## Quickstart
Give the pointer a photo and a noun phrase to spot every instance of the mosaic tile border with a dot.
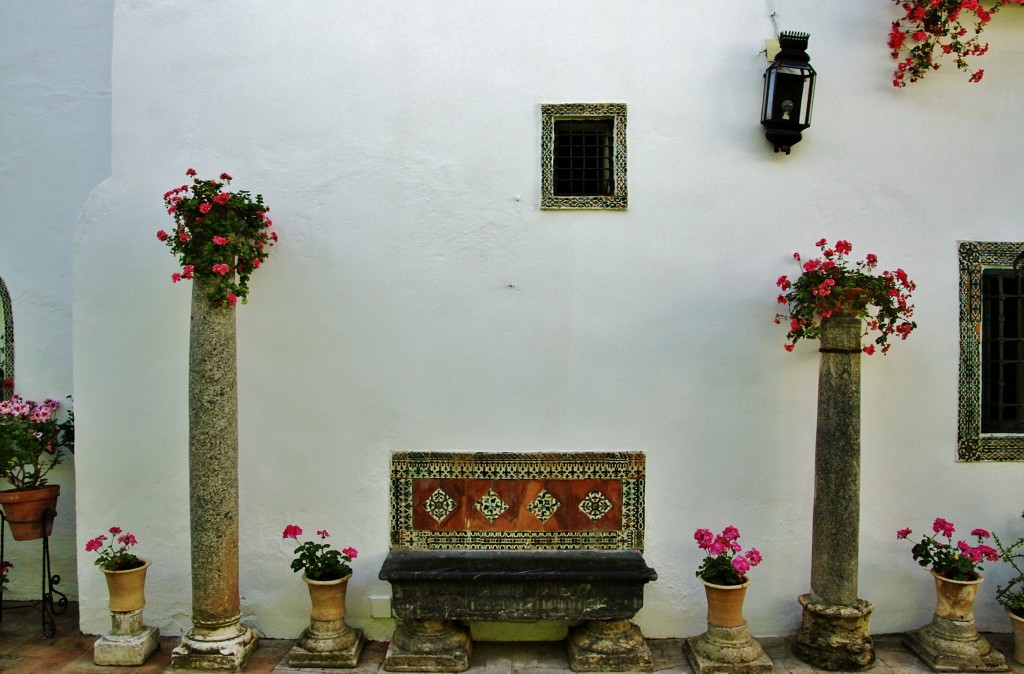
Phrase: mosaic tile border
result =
(629, 467)
(8, 341)
(972, 445)
(549, 112)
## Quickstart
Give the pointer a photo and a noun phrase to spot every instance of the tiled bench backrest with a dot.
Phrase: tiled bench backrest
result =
(517, 501)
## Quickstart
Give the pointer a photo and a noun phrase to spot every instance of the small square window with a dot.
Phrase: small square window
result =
(583, 148)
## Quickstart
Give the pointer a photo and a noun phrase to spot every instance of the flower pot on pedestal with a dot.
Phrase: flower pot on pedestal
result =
(328, 641)
(727, 646)
(1017, 622)
(130, 642)
(950, 642)
(30, 512)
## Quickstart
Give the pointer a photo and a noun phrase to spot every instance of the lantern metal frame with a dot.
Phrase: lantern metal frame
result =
(788, 92)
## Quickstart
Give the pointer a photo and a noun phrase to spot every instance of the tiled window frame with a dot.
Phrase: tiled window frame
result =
(549, 113)
(973, 445)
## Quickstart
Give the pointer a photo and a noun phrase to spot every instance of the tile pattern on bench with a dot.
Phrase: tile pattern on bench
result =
(506, 500)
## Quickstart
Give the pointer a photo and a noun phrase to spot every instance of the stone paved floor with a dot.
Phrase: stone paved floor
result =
(24, 651)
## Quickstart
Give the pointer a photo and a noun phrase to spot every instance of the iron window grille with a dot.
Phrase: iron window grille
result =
(1002, 376)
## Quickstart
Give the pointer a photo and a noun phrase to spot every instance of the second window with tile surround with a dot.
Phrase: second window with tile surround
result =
(991, 414)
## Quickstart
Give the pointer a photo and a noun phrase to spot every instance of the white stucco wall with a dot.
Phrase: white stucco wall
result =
(419, 299)
(55, 135)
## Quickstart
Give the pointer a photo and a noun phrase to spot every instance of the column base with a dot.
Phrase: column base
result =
(835, 637)
(129, 650)
(221, 650)
(727, 649)
(609, 646)
(429, 646)
(338, 647)
(954, 646)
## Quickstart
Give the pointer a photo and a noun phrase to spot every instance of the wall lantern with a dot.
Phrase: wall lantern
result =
(788, 92)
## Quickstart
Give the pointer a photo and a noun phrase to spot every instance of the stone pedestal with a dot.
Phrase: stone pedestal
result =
(727, 649)
(217, 640)
(835, 631)
(954, 646)
(130, 643)
(327, 643)
(609, 646)
(429, 646)
(836, 638)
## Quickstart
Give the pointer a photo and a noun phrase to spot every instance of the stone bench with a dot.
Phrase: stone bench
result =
(516, 537)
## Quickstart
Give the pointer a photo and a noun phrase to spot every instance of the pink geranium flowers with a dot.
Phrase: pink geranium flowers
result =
(833, 285)
(111, 558)
(955, 562)
(319, 560)
(219, 236)
(723, 564)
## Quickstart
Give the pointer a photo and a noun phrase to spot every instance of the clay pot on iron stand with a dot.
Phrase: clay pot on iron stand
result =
(727, 645)
(30, 512)
(328, 641)
(951, 641)
(130, 642)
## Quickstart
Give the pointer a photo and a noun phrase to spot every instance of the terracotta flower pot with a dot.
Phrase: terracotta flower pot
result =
(725, 604)
(1018, 636)
(24, 510)
(955, 598)
(327, 597)
(127, 589)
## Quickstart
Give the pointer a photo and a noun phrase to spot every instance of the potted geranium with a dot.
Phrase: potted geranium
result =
(125, 572)
(130, 641)
(830, 285)
(956, 567)
(727, 645)
(723, 571)
(328, 642)
(32, 437)
(1011, 594)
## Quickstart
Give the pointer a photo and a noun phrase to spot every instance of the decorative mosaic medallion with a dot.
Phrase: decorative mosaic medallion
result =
(544, 506)
(595, 505)
(491, 506)
(440, 505)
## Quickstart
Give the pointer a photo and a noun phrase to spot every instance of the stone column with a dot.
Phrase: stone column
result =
(835, 632)
(217, 640)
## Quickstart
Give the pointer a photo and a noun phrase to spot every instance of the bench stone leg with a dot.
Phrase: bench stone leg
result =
(429, 646)
(609, 646)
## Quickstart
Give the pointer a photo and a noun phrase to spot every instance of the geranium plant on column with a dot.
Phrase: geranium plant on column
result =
(220, 238)
(839, 302)
(328, 641)
(831, 285)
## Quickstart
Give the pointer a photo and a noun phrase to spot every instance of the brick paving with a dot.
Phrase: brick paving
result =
(24, 651)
